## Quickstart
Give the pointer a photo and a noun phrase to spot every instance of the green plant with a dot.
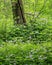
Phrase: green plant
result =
(22, 54)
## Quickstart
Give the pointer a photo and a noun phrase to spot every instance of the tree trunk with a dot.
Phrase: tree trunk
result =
(18, 12)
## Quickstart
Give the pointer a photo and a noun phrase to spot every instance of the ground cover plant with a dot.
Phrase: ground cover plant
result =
(26, 54)
(28, 43)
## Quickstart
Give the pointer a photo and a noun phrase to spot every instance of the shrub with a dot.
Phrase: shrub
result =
(36, 31)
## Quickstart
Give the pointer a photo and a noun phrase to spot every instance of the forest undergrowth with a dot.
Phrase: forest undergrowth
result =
(29, 44)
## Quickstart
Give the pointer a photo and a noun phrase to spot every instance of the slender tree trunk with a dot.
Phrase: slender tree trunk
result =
(18, 12)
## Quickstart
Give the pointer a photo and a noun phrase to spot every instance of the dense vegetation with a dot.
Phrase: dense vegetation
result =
(29, 44)
(26, 54)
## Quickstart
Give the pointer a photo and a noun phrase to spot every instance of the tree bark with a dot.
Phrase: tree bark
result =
(18, 12)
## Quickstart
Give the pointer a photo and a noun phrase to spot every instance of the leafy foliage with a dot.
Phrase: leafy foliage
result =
(35, 30)
(19, 44)
(26, 54)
